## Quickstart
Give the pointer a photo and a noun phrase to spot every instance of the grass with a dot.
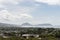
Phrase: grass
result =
(20, 38)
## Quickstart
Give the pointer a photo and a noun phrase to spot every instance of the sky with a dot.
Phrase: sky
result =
(32, 11)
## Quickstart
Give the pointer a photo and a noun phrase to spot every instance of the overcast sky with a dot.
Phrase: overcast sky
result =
(32, 11)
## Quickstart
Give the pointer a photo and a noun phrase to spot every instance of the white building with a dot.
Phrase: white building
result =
(30, 35)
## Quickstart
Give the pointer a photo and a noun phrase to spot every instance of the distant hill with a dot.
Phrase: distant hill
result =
(26, 24)
(44, 25)
(7, 25)
(36, 25)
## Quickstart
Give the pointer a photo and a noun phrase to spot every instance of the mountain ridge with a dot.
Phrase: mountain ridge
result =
(26, 25)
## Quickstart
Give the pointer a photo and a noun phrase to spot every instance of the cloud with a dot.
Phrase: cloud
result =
(12, 12)
(4, 3)
(49, 2)
(7, 16)
(19, 11)
(10, 1)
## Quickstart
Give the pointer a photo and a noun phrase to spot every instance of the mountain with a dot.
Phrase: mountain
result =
(36, 26)
(44, 25)
(26, 24)
(7, 25)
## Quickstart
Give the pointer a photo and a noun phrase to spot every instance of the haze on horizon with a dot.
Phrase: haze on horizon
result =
(32, 11)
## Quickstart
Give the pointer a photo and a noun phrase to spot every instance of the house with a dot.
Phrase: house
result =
(30, 35)
(17, 35)
(8, 34)
(4, 35)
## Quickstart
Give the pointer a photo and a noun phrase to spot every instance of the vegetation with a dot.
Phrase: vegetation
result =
(44, 33)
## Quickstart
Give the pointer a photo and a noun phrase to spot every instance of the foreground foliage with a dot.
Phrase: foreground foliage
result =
(19, 38)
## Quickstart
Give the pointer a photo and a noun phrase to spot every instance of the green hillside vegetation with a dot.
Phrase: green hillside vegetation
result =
(44, 33)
